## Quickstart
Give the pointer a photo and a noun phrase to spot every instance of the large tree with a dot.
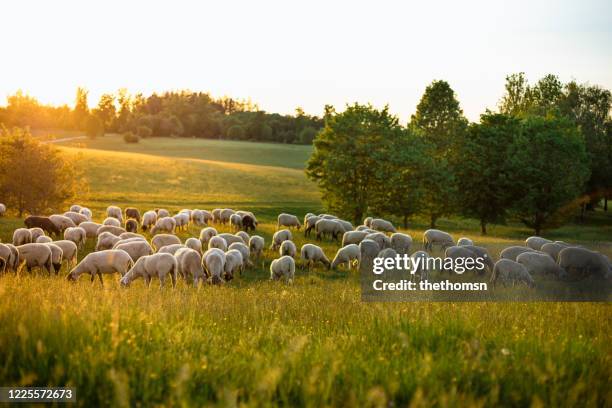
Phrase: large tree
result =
(80, 113)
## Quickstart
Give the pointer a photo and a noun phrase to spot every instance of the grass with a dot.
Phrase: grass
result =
(260, 343)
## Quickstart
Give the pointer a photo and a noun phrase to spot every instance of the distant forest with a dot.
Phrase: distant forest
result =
(177, 114)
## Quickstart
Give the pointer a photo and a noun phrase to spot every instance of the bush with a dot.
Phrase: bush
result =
(94, 127)
(129, 137)
(144, 132)
(236, 132)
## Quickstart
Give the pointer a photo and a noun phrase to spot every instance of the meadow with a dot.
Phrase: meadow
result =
(258, 343)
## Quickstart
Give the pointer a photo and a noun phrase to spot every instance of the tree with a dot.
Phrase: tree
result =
(94, 127)
(307, 135)
(349, 158)
(80, 113)
(236, 132)
(106, 111)
(517, 98)
(35, 177)
(548, 161)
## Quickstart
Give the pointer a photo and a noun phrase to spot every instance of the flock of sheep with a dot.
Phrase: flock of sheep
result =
(217, 257)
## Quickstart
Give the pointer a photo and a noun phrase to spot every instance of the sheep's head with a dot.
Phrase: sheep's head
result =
(71, 276)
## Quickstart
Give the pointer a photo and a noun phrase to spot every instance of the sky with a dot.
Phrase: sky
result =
(285, 54)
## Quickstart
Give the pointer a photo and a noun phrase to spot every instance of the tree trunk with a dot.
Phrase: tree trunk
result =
(606, 204)
(538, 228)
(432, 224)
(405, 221)
(483, 227)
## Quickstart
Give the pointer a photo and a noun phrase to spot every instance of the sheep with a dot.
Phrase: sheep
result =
(256, 246)
(106, 240)
(353, 237)
(463, 241)
(22, 236)
(433, 237)
(347, 226)
(36, 232)
(553, 249)
(513, 251)
(181, 221)
(235, 221)
(381, 225)
(507, 270)
(165, 224)
(279, 237)
(5, 254)
(217, 242)
(368, 249)
(348, 254)
(536, 242)
(114, 212)
(307, 216)
(288, 220)
(98, 263)
(57, 255)
(77, 235)
(538, 263)
(2, 209)
(368, 222)
(35, 255)
(214, 265)
(207, 216)
(162, 212)
(456, 252)
(189, 263)
(244, 251)
(194, 244)
(43, 223)
(231, 238)
(126, 240)
(86, 212)
(401, 243)
(91, 228)
(381, 239)
(112, 229)
(329, 227)
(244, 236)
(483, 253)
(283, 266)
(69, 251)
(206, 234)
(288, 248)
(233, 264)
(328, 217)
(419, 265)
(581, 262)
(10, 254)
(250, 215)
(310, 254)
(127, 235)
(136, 249)
(310, 223)
(76, 217)
(161, 240)
(75, 208)
(43, 239)
(156, 265)
(170, 249)
(111, 221)
(199, 217)
(364, 228)
(186, 211)
(216, 213)
(149, 219)
(225, 215)
(248, 223)
(61, 222)
(131, 212)
(131, 225)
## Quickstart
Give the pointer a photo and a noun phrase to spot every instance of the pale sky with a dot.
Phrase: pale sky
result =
(284, 54)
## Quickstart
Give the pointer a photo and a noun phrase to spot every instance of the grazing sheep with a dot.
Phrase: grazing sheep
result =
(288, 248)
(56, 256)
(553, 249)
(43, 239)
(22, 236)
(244, 251)
(35, 255)
(368, 222)
(76, 217)
(148, 267)
(513, 251)
(307, 216)
(233, 264)
(131, 212)
(61, 222)
(381, 239)
(401, 243)
(200, 217)
(111, 221)
(112, 229)
(279, 237)
(189, 263)
(214, 265)
(456, 252)
(244, 236)
(181, 221)
(69, 251)
(248, 223)
(433, 237)
(364, 228)
(165, 224)
(91, 228)
(136, 249)
(162, 212)
(310, 223)
(206, 234)
(256, 246)
(329, 227)
(288, 220)
(161, 240)
(149, 219)
(2, 209)
(328, 216)
(114, 212)
(235, 221)
(106, 240)
(217, 242)
(538, 263)
(349, 255)
(131, 225)
(10, 254)
(283, 266)
(77, 235)
(536, 242)
(250, 214)
(170, 249)
(126, 240)
(347, 226)
(310, 254)
(43, 223)
(580, 263)
(420, 268)
(36, 232)
(216, 213)
(225, 215)
(353, 237)
(86, 212)
(98, 263)
(128, 234)
(194, 244)
(381, 225)
(463, 241)
(506, 270)
(368, 249)
(231, 238)
(483, 253)
(75, 208)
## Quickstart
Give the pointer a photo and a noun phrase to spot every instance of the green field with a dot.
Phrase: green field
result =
(262, 343)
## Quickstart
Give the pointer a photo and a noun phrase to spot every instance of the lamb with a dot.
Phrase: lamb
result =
(181, 221)
(288, 220)
(165, 224)
(329, 227)
(381, 239)
(513, 251)
(43, 223)
(91, 228)
(171, 249)
(244, 251)
(194, 244)
(43, 239)
(244, 236)
(35, 255)
(433, 237)
(61, 222)
(217, 242)
(136, 249)
(189, 263)
(114, 212)
(231, 238)
(553, 249)
(148, 267)
(162, 212)
(69, 251)
(214, 264)
(106, 240)
(149, 219)
(111, 221)
(368, 249)
(161, 240)
(22, 236)
(77, 235)
(379, 224)
(353, 237)
(463, 241)
(310, 254)
(131, 225)
(581, 262)
(112, 229)
(420, 267)
(233, 264)
(310, 223)
(401, 243)
(235, 221)
(279, 237)
(349, 255)
(56, 256)
(288, 248)
(538, 263)
(98, 263)
(86, 212)
(216, 213)
(225, 215)
(507, 270)
(283, 266)
(536, 242)
(256, 245)
(36, 232)
(76, 217)
(368, 222)
(206, 234)
(131, 212)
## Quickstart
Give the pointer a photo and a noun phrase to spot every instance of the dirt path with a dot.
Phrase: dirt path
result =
(64, 139)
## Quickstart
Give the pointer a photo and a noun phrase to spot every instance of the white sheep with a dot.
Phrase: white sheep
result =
(148, 267)
(483, 253)
(77, 235)
(536, 242)
(106, 240)
(86, 212)
(288, 248)
(43, 239)
(165, 224)
(538, 263)
(36, 232)
(206, 234)
(214, 264)
(288, 220)
(309, 224)
(91, 228)
(225, 215)
(245, 251)
(368, 249)
(217, 242)
(381, 225)
(128, 234)
(231, 238)
(111, 221)
(216, 213)
(329, 227)
(189, 264)
(347, 226)
(115, 212)
(199, 217)
(181, 221)
(328, 216)
(10, 254)
(76, 217)
(75, 208)
(279, 237)
(136, 249)
(2, 209)
(22, 236)
(433, 237)
(149, 219)
(171, 249)
(310, 254)
(580, 263)
(283, 266)
(235, 221)
(194, 244)
(35, 255)
(401, 243)
(126, 240)
(57, 255)
(110, 228)
(513, 251)
(463, 241)
(233, 263)
(554, 248)
(69, 251)
(244, 236)
(256, 246)
(368, 222)
(419, 265)
(381, 239)
(162, 212)
(506, 270)
(353, 237)
(161, 240)
(349, 255)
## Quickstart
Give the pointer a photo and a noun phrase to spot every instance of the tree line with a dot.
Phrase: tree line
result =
(545, 152)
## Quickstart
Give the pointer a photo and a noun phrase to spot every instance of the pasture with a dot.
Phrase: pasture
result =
(262, 343)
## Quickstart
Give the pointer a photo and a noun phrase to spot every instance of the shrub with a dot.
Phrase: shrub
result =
(129, 137)
(144, 131)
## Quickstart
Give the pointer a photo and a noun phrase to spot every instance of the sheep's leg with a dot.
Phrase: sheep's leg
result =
(173, 279)
(162, 281)
(101, 280)
(147, 280)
